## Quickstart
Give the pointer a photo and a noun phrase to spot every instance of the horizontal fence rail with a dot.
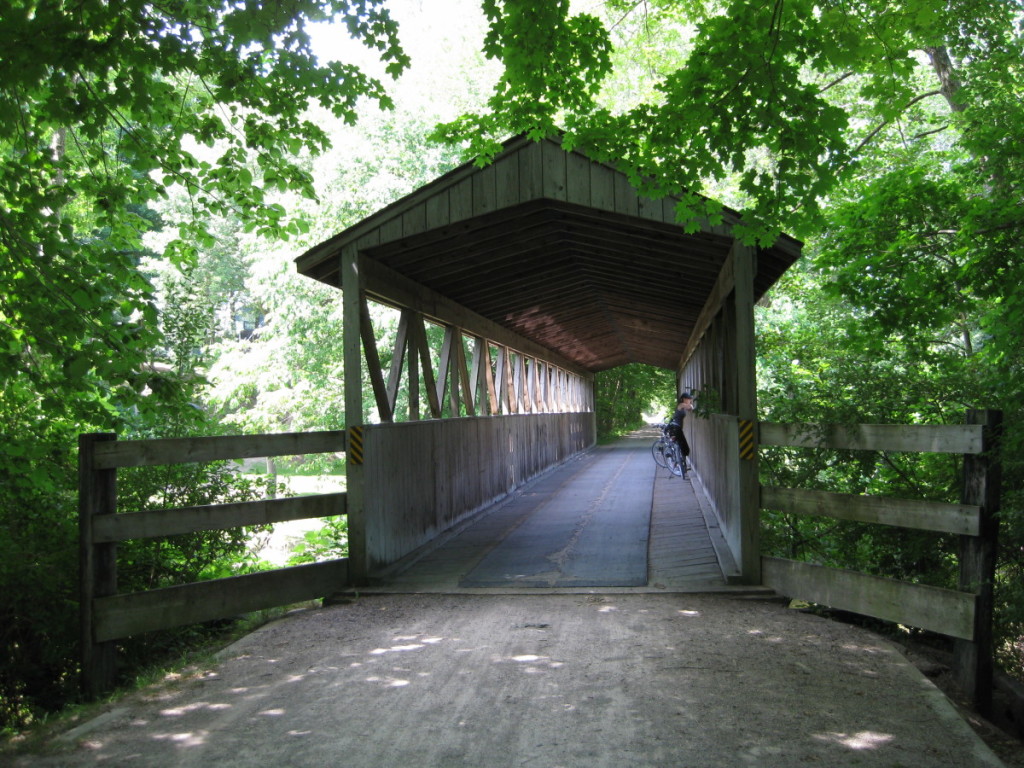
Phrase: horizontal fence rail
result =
(945, 611)
(964, 614)
(905, 513)
(123, 615)
(922, 438)
(181, 450)
(107, 616)
(172, 522)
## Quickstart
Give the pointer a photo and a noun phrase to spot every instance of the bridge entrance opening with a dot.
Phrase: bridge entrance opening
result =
(542, 268)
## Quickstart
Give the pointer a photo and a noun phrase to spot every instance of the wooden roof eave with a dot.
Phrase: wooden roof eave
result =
(465, 245)
(308, 262)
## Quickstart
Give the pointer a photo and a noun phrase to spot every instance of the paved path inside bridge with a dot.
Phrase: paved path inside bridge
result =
(592, 531)
(431, 674)
(609, 518)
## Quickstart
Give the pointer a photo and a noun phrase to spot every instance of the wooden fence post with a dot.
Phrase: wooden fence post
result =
(352, 303)
(97, 495)
(972, 661)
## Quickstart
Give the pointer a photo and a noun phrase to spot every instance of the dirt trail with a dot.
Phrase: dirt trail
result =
(601, 681)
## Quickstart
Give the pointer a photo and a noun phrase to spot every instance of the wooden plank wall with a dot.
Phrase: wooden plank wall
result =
(424, 477)
(711, 441)
(706, 373)
(714, 441)
(530, 171)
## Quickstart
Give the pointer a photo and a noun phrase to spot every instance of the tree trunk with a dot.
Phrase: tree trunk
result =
(946, 72)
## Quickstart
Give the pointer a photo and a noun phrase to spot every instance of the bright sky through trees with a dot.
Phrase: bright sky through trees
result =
(443, 39)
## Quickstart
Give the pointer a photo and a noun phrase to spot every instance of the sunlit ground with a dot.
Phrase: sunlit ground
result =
(601, 680)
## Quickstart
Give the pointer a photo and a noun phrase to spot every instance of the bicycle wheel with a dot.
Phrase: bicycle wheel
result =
(674, 460)
(658, 451)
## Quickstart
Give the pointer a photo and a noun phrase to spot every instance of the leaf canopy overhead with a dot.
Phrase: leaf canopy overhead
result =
(104, 106)
(757, 96)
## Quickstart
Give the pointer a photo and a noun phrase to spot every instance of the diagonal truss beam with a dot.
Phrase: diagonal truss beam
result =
(519, 377)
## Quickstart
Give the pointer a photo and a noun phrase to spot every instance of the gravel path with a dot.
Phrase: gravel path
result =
(588, 680)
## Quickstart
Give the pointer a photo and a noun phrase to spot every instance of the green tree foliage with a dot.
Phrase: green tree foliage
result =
(875, 380)
(326, 543)
(624, 395)
(106, 108)
(289, 374)
(756, 97)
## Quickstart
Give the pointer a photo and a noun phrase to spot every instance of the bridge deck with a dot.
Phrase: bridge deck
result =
(608, 519)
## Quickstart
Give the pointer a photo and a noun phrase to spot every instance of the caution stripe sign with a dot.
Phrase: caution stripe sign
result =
(747, 447)
(355, 444)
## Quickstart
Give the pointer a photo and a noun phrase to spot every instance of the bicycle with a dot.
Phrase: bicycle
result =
(667, 454)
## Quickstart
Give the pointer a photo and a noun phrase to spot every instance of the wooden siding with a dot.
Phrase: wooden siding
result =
(424, 477)
(713, 441)
(534, 171)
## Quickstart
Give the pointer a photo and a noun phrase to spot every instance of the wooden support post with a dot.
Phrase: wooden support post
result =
(418, 339)
(972, 660)
(526, 391)
(516, 393)
(413, 367)
(352, 289)
(744, 260)
(489, 390)
(97, 495)
(461, 373)
(503, 381)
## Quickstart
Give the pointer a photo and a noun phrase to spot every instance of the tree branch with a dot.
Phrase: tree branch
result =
(837, 81)
(923, 134)
(920, 97)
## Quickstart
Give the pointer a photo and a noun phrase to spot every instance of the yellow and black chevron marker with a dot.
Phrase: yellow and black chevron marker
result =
(355, 444)
(747, 447)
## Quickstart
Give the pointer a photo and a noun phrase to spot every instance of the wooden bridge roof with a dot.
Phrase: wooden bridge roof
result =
(559, 250)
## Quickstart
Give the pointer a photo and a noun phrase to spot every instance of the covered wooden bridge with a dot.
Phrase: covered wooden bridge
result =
(542, 268)
(514, 284)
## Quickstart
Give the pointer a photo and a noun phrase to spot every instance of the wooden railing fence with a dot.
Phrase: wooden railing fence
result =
(964, 614)
(107, 616)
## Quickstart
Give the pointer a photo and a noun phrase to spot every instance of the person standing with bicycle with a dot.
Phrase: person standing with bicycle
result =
(684, 405)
